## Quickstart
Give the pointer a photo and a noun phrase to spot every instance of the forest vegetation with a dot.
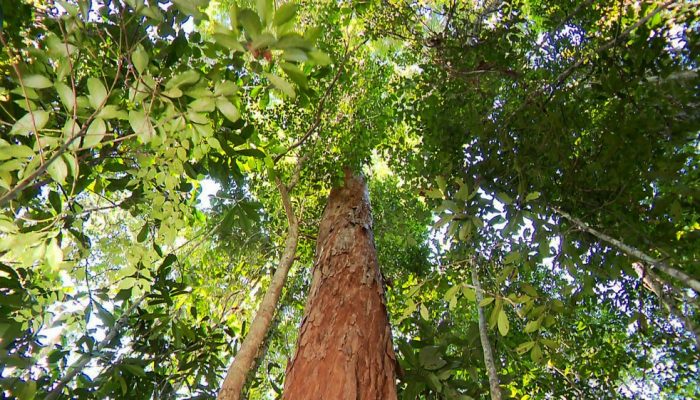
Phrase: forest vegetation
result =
(192, 193)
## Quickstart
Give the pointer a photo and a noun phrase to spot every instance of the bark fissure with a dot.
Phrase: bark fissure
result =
(344, 350)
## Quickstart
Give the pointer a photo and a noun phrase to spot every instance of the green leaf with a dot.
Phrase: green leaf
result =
(512, 257)
(134, 369)
(97, 92)
(532, 196)
(58, 170)
(469, 293)
(37, 82)
(284, 13)
(531, 326)
(430, 358)
(24, 125)
(281, 84)
(319, 57)
(143, 233)
(295, 74)
(228, 109)
(503, 324)
(504, 198)
(95, 133)
(451, 292)
(54, 254)
(524, 347)
(15, 151)
(66, 95)
(424, 313)
(263, 40)
(228, 41)
(139, 58)
(265, 10)
(141, 125)
(250, 22)
(485, 302)
(536, 353)
(203, 104)
(225, 88)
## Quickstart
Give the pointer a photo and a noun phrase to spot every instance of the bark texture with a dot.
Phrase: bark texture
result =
(344, 350)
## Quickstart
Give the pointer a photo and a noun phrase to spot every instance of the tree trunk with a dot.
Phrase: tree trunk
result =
(344, 350)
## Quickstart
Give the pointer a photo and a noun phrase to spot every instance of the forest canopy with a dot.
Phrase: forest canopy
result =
(164, 166)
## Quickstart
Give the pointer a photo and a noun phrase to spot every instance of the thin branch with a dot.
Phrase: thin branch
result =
(83, 361)
(243, 362)
(483, 334)
(631, 251)
(321, 105)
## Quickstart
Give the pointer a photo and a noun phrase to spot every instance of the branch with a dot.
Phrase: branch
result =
(483, 334)
(633, 252)
(321, 105)
(244, 359)
(79, 365)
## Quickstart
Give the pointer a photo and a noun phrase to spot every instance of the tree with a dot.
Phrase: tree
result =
(553, 144)
(344, 350)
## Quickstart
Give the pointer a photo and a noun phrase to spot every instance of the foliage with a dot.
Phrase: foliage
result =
(478, 124)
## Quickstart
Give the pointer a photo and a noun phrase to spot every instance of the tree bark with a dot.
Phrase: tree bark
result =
(242, 363)
(484, 336)
(344, 350)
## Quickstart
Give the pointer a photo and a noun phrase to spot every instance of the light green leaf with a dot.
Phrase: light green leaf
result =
(228, 41)
(451, 292)
(532, 196)
(319, 57)
(95, 133)
(469, 293)
(263, 40)
(503, 324)
(111, 111)
(24, 126)
(37, 81)
(66, 95)
(16, 151)
(141, 124)
(536, 353)
(512, 257)
(284, 13)
(139, 58)
(203, 104)
(58, 170)
(228, 109)
(281, 84)
(250, 22)
(424, 313)
(225, 88)
(531, 326)
(97, 92)
(294, 54)
(265, 10)
(186, 78)
(485, 302)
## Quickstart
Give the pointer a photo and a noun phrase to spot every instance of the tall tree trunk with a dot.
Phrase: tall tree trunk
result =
(344, 350)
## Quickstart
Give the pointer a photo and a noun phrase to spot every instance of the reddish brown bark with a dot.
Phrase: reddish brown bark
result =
(344, 350)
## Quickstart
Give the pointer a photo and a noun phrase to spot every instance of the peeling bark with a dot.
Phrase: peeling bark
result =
(344, 350)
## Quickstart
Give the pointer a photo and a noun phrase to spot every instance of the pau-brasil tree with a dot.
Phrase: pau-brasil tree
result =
(185, 192)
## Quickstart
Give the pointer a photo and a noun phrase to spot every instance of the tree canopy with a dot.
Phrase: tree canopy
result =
(151, 153)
